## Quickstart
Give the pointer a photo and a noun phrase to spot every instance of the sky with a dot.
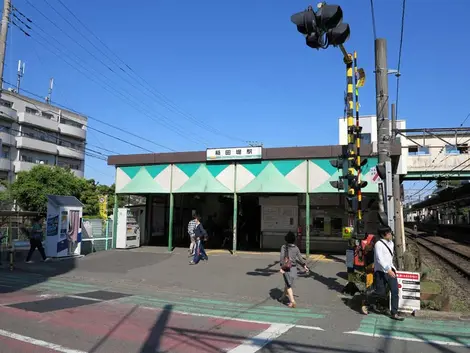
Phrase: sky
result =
(218, 73)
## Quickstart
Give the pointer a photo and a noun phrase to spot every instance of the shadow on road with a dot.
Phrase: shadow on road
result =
(153, 342)
(23, 275)
(265, 272)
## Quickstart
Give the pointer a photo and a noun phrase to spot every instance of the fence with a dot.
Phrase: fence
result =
(97, 235)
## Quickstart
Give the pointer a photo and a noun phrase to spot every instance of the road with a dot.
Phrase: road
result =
(73, 313)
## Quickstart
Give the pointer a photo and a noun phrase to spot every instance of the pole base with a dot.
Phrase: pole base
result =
(350, 288)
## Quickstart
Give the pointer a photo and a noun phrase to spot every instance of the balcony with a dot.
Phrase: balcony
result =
(8, 113)
(36, 145)
(72, 131)
(5, 164)
(23, 166)
(70, 152)
(78, 173)
(7, 138)
(38, 121)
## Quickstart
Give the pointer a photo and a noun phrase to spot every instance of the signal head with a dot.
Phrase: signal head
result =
(305, 21)
(338, 35)
(329, 16)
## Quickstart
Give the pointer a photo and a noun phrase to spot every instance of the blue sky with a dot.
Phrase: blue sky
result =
(239, 67)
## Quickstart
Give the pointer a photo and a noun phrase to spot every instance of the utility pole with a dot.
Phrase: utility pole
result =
(3, 36)
(399, 236)
(383, 124)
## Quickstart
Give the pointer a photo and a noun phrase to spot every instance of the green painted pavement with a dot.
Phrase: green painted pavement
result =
(427, 330)
(227, 309)
(38, 283)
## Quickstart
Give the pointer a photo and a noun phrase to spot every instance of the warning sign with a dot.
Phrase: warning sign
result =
(409, 291)
(374, 176)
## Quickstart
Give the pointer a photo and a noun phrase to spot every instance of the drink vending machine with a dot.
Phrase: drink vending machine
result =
(128, 230)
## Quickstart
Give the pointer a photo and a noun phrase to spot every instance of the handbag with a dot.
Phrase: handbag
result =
(286, 263)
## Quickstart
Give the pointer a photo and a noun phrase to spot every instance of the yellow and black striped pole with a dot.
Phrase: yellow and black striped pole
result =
(350, 123)
(358, 141)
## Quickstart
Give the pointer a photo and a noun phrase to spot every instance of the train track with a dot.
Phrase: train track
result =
(456, 259)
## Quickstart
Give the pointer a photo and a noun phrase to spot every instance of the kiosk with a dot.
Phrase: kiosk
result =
(64, 226)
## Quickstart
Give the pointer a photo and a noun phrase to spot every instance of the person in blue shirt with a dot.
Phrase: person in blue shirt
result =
(35, 240)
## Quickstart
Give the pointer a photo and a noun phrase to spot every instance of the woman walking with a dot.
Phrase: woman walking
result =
(290, 257)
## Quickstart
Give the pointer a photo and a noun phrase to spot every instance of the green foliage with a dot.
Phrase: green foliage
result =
(31, 188)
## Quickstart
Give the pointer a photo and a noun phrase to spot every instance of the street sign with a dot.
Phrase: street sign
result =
(409, 291)
(221, 154)
(374, 176)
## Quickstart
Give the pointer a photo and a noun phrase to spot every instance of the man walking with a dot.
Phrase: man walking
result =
(35, 240)
(192, 237)
(385, 271)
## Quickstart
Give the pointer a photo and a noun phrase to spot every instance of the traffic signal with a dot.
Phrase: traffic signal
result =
(366, 203)
(323, 28)
(338, 164)
(383, 219)
(381, 170)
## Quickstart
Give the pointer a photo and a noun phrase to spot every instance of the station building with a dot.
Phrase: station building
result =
(248, 197)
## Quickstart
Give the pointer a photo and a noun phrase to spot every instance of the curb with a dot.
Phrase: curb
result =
(446, 315)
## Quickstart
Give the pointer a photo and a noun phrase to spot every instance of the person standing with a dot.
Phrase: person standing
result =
(201, 236)
(192, 237)
(290, 257)
(35, 240)
(384, 270)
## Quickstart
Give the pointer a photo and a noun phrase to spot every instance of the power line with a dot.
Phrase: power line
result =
(89, 127)
(402, 30)
(374, 29)
(111, 88)
(159, 95)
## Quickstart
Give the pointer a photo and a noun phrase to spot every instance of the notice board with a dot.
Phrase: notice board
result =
(409, 291)
(279, 218)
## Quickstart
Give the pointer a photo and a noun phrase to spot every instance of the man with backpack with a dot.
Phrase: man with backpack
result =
(384, 271)
(201, 236)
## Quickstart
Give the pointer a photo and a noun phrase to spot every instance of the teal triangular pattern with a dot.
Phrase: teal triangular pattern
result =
(326, 186)
(131, 171)
(286, 166)
(270, 180)
(371, 162)
(154, 170)
(142, 183)
(216, 169)
(325, 165)
(203, 181)
(255, 168)
(189, 168)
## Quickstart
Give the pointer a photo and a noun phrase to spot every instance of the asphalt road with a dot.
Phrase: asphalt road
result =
(93, 309)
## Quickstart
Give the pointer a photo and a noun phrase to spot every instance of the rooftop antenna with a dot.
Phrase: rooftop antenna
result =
(20, 75)
(49, 94)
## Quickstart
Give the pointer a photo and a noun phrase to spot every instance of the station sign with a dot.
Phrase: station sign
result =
(236, 153)
(409, 291)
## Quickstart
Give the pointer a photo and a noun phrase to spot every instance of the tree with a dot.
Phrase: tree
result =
(31, 188)
(89, 198)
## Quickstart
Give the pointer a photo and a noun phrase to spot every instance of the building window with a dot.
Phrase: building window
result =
(71, 123)
(452, 149)
(7, 104)
(366, 138)
(32, 111)
(418, 150)
(48, 116)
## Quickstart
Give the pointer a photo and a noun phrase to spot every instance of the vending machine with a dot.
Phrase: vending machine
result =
(128, 230)
(64, 226)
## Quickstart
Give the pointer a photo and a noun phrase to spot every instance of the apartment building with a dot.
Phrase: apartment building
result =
(34, 132)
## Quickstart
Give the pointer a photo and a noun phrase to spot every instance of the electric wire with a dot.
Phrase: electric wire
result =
(162, 99)
(91, 118)
(126, 97)
(374, 28)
